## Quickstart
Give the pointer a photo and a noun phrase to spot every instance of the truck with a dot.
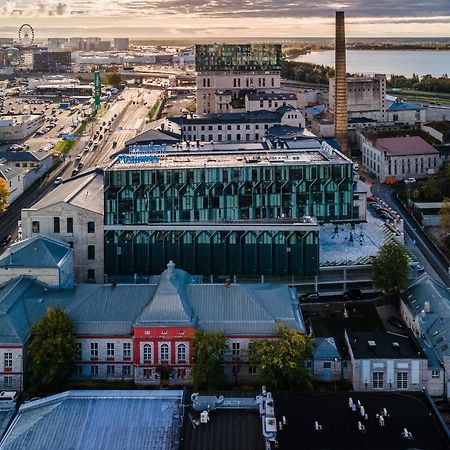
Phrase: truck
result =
(64, 105)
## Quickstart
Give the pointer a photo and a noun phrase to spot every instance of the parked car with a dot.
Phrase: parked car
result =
(80, 165)
(6, 240)
(310, 297)
(58, 180)
(353, 294)
(74, 172)
(79, 156)
(397, 323)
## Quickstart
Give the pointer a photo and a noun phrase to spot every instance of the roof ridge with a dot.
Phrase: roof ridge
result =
(82, 186)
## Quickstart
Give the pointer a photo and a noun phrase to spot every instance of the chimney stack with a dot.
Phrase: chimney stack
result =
(340, 103)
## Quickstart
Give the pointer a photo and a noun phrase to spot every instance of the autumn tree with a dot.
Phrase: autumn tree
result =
(52, 350)
(4, 193)
(390, 269)
(208, 353)
(444, 215)
(282, 360)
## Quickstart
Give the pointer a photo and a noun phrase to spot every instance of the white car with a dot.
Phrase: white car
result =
(58, 180)
(79, 156)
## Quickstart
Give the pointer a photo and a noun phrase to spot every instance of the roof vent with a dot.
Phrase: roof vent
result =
(371, 344)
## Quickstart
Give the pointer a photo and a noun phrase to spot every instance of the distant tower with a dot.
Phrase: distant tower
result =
(340, 109)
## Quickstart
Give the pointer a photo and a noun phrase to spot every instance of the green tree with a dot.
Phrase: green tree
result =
(4, 193)
(282, 360)
(208, 353)
(52, 350)
(444, 215)
(114, 79)
(390, 269)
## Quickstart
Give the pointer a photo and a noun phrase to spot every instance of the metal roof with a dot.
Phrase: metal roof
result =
(155, 137)
(84, 191)
(96, 420)
(8, 173)
(325, 348)
(11, 155)
(6, 415)
(38, 251)
(404, 106)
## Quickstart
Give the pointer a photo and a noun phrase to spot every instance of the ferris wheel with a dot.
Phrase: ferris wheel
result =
(26, 34)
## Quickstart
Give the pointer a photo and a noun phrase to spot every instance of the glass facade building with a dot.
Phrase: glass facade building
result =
(245, 217)
(238, 58)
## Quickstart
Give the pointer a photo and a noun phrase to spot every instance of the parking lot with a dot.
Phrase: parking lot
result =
(178, 103)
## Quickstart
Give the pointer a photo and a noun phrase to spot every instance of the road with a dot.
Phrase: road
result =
(131, 113)
(422, 241)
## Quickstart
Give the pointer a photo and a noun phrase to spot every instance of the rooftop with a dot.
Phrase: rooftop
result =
(84, 191)
(382, 345)
(8, 173)
(25, 156)
(156, 137)
(38, 251)
(96, 420)
(231, 158)
(272, 96)
(339, 423)
(405, 146)
(236, 429)
(404, 106)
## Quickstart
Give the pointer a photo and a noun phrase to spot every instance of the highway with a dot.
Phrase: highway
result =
(415, 233)
(131, 114)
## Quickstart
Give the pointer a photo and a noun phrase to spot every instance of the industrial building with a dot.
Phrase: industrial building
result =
(16, 127)
(226, 72)
(224, 213)
(121, 43)
(52, 61)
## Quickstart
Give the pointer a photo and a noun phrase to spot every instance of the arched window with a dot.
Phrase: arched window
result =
(147, 352)
(164, 352)
(181, 352)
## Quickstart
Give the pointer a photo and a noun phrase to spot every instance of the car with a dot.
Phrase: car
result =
(74, 172)
(420, 268)
(58, 180)
(353, 294)
(86, 149)
(79, 156)
(95, 147)
(80, 165)
(114, 144)
(6, 240)
(16, 147)
(104, 123)
(397, 323)
(310, 296)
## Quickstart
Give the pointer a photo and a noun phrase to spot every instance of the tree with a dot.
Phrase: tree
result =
(444, 215)
(208, 352)
(4, 193)
(52, 350)
(390, 269)
(282, 360)
(114, 79)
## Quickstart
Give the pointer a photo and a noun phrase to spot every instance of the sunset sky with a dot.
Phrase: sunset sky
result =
(225, 18)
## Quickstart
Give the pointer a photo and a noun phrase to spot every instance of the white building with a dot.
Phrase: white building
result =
(366, 97)
(255, 101)
(13, 177)
(398, 158)
(73, 212)
(19, 126)
(405, 113)
(234, 127)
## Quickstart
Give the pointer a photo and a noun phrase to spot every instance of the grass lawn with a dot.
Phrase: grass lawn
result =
(154, 110)
(422, 96)
(64, 147)
(84, 125)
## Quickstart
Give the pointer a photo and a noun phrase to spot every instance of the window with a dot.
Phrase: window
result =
(8, 360)
(327, 365)
(91, 227)
(94, 350)
(435, 374)
(126, 350)
(35, 226)
(110, 349)
(79, 351)
(94, 371)
(402, 380)
(236, 348)
(126, 371)
(91, 252)
(148, 373)
(69, 225)
(181, 373)
(8, 381)
(110, 370)
(79, 370)
(181, 352)
(252, 370)
(377, 382)
(56, 225)
(147, 353)
(91, 275)
(164, 353)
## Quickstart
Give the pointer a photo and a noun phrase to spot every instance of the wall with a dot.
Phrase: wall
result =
(20, 131)
(80, 238)
(15, 373)
(47, 276)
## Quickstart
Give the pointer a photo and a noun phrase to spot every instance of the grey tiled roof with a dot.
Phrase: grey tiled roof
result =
(84, 191)
(97, 420)
(154, 136)
(9, 173)
(37, 251)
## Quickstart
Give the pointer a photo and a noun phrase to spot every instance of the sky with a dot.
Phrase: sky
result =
(225, 18)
